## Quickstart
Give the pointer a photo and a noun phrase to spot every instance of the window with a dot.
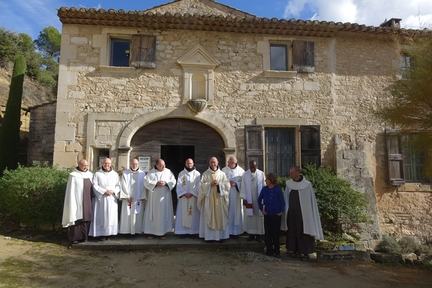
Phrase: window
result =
(414, 163)
(405, 64)
(275, 148)
(120, 51)
(284, 59)
(404, 164)
(280, 150)
(139, 51)
(278, 57)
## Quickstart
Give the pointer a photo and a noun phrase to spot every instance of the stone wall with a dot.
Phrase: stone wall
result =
(41, 135)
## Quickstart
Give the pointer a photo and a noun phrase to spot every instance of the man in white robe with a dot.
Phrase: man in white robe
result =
(159, 213)
(77, 208)
(132, 210)
(187, 213)
(301, 217)
(252, 182)
(213, 201)
(234, 174)
(106, 187)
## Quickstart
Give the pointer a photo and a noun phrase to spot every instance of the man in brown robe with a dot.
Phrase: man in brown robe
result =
(77, 208)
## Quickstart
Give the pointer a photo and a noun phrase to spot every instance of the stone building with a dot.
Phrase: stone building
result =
(41, 133)
(196, 78)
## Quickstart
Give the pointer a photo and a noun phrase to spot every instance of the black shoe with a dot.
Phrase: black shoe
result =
(268, 253)
(182, 236)
(258, 238)
(250, 238)
(277, 255)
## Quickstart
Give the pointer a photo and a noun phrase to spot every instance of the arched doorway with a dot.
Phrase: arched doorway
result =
(175, 140)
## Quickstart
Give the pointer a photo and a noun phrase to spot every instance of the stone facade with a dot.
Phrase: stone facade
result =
(100, 107)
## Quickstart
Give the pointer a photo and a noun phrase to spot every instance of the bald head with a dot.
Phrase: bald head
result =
(213, 163)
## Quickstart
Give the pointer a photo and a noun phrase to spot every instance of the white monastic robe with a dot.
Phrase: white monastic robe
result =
(159, 213)
(213, 202)
(251, 186)
(73, 202)
(187, 213)
(235, 226)
(105, 208)
(132, 214)
(309, 208)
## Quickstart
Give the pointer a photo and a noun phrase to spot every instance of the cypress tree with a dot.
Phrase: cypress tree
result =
(10, 129)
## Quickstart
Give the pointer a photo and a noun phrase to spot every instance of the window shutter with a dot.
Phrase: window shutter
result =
(303, 56)
(143, 51)
(254, 135)
(310, 145)
(395, 158)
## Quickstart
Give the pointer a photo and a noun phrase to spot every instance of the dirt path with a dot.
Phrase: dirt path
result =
(36, 263)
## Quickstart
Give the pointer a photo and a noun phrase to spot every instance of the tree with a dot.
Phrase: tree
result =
(8, 47)
(10, 129)
(48, 43)
(410, 108)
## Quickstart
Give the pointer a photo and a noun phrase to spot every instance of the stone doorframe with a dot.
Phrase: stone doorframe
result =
(207, 118)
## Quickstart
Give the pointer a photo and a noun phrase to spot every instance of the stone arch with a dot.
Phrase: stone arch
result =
(207, 118)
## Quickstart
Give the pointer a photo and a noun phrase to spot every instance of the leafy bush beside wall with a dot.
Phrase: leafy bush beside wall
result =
(33, 195)
(341, 207)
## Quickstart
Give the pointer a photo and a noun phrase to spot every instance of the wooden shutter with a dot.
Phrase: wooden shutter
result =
(143, 51)
(254, 137)
(303, 56)
(310, 145)
(395, 157)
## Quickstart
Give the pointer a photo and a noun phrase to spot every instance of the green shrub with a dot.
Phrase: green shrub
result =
(388, 244)
(33, 195)
(341, 207)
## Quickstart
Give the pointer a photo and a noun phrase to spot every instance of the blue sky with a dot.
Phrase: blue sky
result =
(31, 16)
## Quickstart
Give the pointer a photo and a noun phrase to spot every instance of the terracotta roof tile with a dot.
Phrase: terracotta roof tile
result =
(230, 23)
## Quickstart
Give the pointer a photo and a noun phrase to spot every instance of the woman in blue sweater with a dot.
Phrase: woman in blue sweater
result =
(271, 203)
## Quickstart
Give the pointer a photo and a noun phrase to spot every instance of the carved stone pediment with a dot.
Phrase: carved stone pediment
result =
(198, 58)
(198, 75)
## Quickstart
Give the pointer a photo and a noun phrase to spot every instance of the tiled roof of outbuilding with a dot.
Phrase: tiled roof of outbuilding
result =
(234, 24)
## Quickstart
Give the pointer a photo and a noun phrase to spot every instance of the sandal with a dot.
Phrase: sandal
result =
(293, 254)
(74, 242)
(305, 258)
(149, 237)
(162, 237)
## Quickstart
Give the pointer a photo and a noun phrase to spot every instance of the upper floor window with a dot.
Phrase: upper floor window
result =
(405, 64)
(139, 51)
(120, 51)
(278, 57)
(284, 59)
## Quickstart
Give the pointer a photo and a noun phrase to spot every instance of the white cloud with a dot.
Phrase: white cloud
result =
(414, 13)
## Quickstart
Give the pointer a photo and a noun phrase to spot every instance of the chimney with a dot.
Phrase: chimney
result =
(392, 23)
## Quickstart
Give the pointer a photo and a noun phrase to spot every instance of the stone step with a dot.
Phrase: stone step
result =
(140, 242)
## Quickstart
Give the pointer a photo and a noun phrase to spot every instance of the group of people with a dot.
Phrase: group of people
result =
(214, 205)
